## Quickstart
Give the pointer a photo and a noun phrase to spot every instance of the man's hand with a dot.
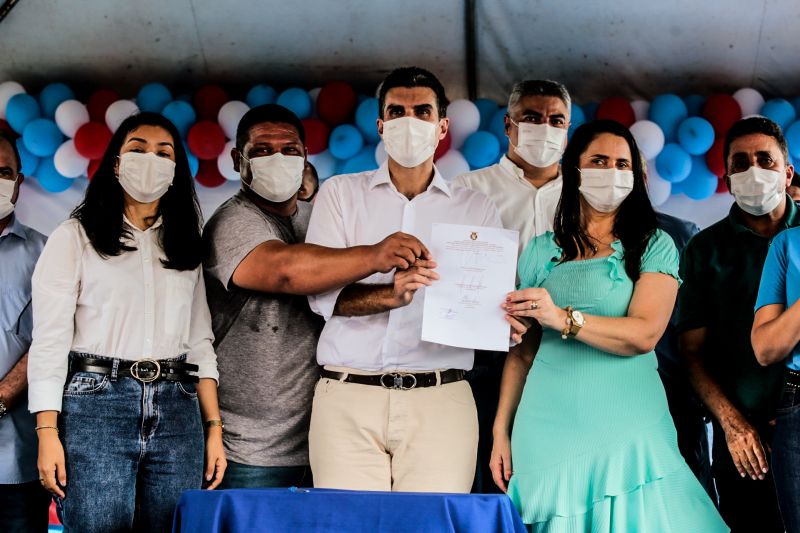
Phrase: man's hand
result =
(409, 281)
(745, 447)
(399, 251)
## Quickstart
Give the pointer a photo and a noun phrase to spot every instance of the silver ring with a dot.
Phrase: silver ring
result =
(534, 305)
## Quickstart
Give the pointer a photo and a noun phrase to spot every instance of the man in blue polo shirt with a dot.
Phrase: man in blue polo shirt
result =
(24, 501)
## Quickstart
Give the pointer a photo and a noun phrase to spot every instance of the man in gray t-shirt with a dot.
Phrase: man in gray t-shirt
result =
(257, 271)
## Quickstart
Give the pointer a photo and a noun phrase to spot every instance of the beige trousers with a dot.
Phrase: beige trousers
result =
(365, 437)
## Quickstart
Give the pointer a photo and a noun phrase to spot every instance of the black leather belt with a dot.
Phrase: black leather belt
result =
(144, 370)
(398, 380)
(793, 378)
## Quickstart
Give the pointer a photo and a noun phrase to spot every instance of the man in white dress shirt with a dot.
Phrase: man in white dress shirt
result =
(525, 186)
(392, 412)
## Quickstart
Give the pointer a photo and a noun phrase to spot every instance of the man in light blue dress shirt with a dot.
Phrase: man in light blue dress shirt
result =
(23, 502)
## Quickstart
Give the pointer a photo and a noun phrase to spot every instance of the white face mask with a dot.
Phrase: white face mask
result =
(276, 177)
(605, 188)
(540, 145)
(145, 177)
(6, 192)
(758, 190)
(409, 141)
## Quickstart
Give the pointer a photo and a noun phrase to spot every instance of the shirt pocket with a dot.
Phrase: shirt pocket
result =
(15, 316)
(178, 303)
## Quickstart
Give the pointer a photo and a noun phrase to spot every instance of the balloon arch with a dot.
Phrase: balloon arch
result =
(63, 138)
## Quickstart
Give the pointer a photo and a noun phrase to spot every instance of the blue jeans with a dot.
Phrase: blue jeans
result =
(786, 458)
(131, 448)
(241, 476)
(24, 508)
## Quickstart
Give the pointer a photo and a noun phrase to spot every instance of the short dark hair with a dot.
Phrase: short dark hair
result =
(101, 211)
(413, 77)
(7, 137)
(748, 126)
(267, 113)
(540, 88)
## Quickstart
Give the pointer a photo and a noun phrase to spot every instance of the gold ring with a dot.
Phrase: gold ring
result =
(534, 305)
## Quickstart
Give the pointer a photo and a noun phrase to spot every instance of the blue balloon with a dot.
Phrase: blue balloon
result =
(29, 161)
(153, 97)
(366, 117)
(668, 111)
(696, 135)
(194, 163)
(576, 118)
(325, 164)
(590, 110)
(779, 111)
(345, 141)
(52, 96)
(498, 127)
(297, 101)
(21, 109)
(487, 108)
(673, 163)
(792, 134)
(481, 149)
(261, 94)
(185, 97)
(796, 104)
(50, 179)
(42, 137)
(701, 182)
(694, 104)
(363, 161)
(181, 114)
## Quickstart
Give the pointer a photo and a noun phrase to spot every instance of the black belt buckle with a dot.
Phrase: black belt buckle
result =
(139, 367)
(396, 381)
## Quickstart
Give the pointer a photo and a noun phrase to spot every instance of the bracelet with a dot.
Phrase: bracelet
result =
(214, 423)
(37, 428)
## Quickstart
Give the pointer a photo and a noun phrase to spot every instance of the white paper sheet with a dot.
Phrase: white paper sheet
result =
(477, 268)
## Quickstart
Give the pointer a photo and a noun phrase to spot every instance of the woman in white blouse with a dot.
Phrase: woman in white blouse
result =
(122, 367)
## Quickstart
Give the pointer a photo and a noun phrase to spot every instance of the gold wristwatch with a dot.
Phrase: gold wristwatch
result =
(575, 321)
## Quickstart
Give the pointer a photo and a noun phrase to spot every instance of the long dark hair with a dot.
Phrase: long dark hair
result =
(635, 221)
(101, 211)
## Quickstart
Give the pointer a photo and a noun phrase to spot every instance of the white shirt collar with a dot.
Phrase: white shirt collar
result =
(382, 176)
(155, 225)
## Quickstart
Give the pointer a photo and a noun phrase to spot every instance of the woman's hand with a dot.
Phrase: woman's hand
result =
(52, 470)
(536, 303)
(215, 458)
(500, 462)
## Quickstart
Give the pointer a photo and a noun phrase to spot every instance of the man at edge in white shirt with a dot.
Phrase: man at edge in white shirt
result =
(391, 412)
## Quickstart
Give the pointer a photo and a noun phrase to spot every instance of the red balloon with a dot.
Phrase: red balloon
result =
(714, 159)
(208, 174)
(443, 146)
(722, 186)
(721, 110)
(336, 103)
(207, 101)
(99, 102)
(91, 140)
(94, 164)
(206, 140)
(617, 108)
(4, 126)
(317, 133)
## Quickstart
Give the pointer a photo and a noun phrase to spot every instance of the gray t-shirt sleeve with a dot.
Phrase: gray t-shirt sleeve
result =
(231, 234)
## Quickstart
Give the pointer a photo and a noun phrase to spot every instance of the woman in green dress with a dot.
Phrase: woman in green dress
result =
(593, 446)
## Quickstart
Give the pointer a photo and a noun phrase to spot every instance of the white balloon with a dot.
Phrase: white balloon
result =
(324, 163)
(658, 188)
(640, 109)
(119, 111)
(69, 162)
(229, 116)
(225, 163)
(380, 153)
(452, 164)
(71, 115)
(649, 137)
(749, 100)
(7, 90)
(464, 120)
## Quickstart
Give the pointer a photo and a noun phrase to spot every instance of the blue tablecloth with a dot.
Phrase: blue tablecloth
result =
(297, 510)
